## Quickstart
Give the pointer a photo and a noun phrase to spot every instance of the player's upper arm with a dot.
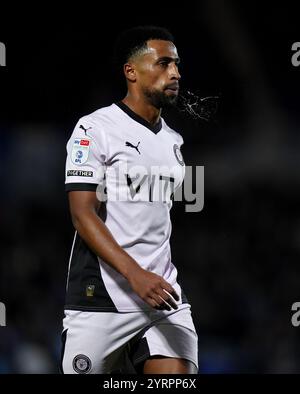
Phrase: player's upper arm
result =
(81, 203)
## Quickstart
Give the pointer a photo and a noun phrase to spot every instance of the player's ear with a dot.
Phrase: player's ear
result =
(129, 71)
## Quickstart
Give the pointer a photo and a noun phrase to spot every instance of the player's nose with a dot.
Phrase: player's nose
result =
(174, 73)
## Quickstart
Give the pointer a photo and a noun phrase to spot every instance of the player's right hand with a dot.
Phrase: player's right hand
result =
(153, 289)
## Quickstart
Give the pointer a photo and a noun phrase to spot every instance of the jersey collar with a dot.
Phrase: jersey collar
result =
(155, 129)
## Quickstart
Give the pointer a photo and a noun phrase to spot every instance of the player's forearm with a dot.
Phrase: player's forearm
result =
(98, 237)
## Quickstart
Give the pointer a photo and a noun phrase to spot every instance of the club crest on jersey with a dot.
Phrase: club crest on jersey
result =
(82, 364)
(80, 151)
(178, 154)
(90, 290)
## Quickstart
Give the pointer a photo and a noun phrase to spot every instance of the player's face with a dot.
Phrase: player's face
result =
(157, 73)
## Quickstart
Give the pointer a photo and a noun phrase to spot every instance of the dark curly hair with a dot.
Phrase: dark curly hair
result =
(133, 40)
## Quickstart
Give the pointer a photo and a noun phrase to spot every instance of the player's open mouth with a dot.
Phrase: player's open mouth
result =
(173, 90)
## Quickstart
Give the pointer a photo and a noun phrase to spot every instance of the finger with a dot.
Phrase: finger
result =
(161, 307)
(169, 299)
(166, 297)
(158, 304)
(163, 298)
(168, 303)
(171, 291)
(161, 302)
(152, 303)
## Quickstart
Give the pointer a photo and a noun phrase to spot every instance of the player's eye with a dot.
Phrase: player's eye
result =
(164, 63)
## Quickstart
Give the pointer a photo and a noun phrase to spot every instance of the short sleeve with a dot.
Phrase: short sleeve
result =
(180, 140)
(86, 156)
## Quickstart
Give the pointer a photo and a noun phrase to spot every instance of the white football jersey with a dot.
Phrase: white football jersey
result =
(135, 168)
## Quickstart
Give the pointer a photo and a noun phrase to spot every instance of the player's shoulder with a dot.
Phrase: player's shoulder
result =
(97, 124)
(175, 134)
(99, 116)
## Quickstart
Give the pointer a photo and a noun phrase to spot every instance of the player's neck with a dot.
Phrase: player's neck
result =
(143, 109)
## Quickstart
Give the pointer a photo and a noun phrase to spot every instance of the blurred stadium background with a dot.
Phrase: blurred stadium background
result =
(239, 257)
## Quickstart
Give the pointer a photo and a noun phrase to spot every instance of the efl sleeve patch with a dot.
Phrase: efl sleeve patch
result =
(80, 151)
